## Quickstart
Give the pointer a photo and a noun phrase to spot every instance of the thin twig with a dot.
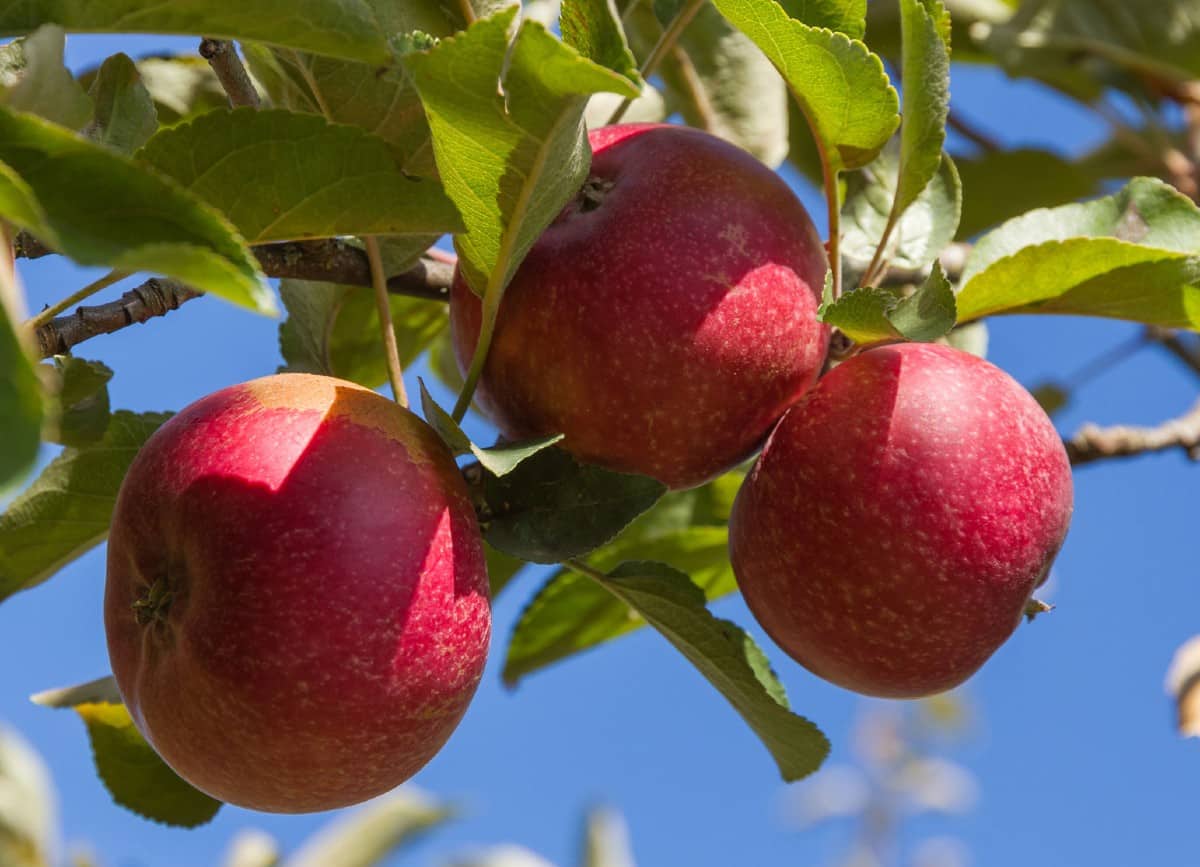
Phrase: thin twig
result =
(391, 351)
(75, 297)
(1106, 361)
(1186, 352)
(223, 58)
(1094, 443)
(660, 50)
(1189, 97)
(1176, 166)
(970, 132)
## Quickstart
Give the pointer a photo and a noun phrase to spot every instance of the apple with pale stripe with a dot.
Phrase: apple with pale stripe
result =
(297, 601)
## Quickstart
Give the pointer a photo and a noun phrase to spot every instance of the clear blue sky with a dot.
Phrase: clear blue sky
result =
(1074, 749)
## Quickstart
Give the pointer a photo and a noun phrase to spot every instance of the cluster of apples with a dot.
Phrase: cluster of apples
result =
(297, 601)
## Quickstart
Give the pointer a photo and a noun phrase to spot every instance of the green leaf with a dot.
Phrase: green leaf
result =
(382, 102)
(1004, 184)
(720, 82)
(840, 85)
(1051, 396)
(871, 314)
(339, 28)
(862, 314)
(508, 135)
(125, 115)
(369, 834)
(927, 225)
(334, 330)
(102, 690)
(726, 656)
(443, 423)
(925, 30)
(21, 409)
(135, 776)
(551, 507)
(33, 78)
(847, 16)
(503, 458)
(593, 28)
(884, 27)
(499, 460)
(929, 313)
(80, 412)
(99, 208)
(180, 87)
(1159, 40)
(569, 614)
(281, 176)
(67, 509)
(501, 568)
(1133, 255)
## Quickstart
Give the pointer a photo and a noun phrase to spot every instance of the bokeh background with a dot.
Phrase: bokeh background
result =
(1061, 751)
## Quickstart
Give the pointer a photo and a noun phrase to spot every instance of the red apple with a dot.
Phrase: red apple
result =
(297, 602)
(899, 518)
(667, 317)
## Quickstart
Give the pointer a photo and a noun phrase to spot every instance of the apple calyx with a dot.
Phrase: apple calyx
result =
(1036, 607)
(152, 606)
(593, 193)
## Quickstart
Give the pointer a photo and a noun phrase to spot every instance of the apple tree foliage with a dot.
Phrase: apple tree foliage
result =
(409, 121)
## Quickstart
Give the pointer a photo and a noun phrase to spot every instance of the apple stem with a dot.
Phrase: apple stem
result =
(833, 205)
(74, 298)
(487, 327)
(1035, 607)
(387, 330)
(660, 50)
(877, 265)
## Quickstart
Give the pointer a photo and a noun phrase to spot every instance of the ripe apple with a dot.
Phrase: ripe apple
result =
(297, 601)
(899, 518)
(666, 319)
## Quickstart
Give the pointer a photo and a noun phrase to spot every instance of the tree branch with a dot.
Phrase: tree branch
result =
(325, 261)
(224, 60)
(1094, 443)
(334, 261)
(153, 298)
